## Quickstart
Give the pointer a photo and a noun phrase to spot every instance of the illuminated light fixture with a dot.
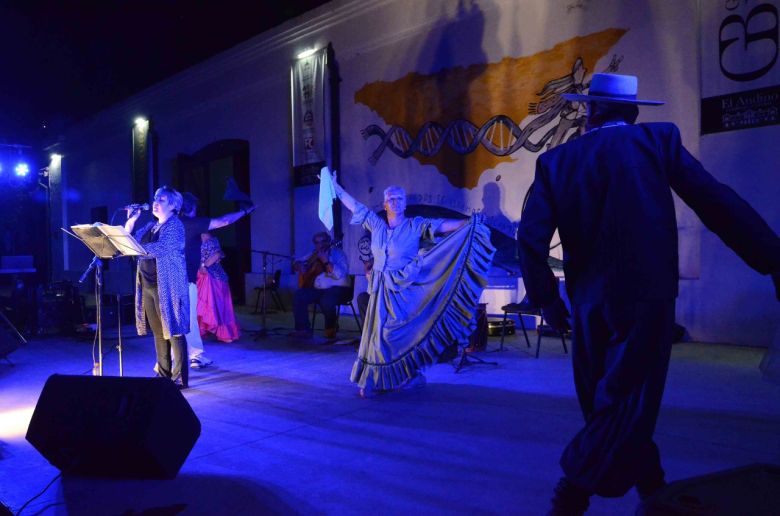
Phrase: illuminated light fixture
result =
(307, 53)
(141, 121)
(55, 157)
(22, 169)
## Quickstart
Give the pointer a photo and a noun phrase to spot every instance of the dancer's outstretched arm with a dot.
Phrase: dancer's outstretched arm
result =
(346, 199)
(450, 225)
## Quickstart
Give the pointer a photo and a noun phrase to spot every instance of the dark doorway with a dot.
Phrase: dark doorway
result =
(205, 174)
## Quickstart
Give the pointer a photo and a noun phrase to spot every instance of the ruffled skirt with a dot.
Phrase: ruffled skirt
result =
(215, 309)
(410, 321)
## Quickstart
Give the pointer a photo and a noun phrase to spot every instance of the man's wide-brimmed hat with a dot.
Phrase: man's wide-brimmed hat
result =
(611, 87)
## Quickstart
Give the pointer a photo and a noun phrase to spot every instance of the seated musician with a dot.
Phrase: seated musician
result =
(323, 278)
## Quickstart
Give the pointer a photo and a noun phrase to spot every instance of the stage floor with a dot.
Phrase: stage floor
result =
(284, 432)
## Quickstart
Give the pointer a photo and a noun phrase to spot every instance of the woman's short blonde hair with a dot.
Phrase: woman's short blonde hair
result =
(174, 197)
(394, 189)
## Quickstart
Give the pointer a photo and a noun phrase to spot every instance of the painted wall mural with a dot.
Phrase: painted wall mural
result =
(465, 120)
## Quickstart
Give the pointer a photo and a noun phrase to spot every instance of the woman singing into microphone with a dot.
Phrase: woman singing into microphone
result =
(161, 291)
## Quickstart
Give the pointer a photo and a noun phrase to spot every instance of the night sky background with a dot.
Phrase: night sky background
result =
(61, 61)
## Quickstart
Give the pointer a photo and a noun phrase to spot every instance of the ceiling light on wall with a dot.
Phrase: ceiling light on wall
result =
(307, 53)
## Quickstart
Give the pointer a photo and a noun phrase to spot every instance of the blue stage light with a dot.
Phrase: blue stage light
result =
(22, 169)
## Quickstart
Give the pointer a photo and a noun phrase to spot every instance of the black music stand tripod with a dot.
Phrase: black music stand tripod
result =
(263, 331)
(107, 242)
(478, 341)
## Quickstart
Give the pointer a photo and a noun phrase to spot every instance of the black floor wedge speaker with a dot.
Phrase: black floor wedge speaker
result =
(108, 426)
(746, 490)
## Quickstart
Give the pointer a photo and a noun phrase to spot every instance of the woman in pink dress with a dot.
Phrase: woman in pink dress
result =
(215, 306)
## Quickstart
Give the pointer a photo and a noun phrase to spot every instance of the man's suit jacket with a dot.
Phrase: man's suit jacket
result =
(609, 194)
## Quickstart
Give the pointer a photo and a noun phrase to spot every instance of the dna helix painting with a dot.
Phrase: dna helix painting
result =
(499, 135)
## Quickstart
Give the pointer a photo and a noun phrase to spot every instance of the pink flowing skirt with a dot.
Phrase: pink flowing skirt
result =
(215, 309)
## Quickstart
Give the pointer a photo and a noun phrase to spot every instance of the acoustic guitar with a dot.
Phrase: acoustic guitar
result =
(312, 267)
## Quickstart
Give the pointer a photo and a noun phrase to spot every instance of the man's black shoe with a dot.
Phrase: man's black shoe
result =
(568, 499)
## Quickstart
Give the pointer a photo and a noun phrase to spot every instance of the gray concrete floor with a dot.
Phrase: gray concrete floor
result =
(284, 432)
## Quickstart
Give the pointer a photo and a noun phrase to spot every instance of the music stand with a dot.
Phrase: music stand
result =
(478, 340)
(107, 242)
(263, 331)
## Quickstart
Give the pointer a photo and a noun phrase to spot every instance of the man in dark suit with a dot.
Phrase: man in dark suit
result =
(609, 194)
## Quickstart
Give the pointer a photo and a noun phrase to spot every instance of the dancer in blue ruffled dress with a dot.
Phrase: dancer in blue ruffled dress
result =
(423, 294)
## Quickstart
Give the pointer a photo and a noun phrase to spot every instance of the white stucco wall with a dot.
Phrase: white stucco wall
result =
(244, 93)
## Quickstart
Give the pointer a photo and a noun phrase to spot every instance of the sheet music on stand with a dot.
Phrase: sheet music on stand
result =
(108, 241)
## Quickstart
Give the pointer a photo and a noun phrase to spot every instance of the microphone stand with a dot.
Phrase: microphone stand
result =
(119, 330)
(263, 331)
(97, 265)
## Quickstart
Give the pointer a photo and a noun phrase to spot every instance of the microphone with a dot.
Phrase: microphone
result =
(143, 207)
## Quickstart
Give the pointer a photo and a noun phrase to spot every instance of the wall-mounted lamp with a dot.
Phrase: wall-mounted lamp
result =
(307, 53)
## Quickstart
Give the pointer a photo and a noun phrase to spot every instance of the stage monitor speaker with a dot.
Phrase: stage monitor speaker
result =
(749, 489)
(108, 426)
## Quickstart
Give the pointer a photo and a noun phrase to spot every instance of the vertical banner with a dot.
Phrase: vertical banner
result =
(740, 81)
(309, 115)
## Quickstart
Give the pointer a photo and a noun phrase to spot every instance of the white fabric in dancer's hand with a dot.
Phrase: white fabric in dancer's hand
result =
(327, 194)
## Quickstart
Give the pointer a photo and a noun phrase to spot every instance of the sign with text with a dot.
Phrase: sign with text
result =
(309, 112)
(740, 81)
